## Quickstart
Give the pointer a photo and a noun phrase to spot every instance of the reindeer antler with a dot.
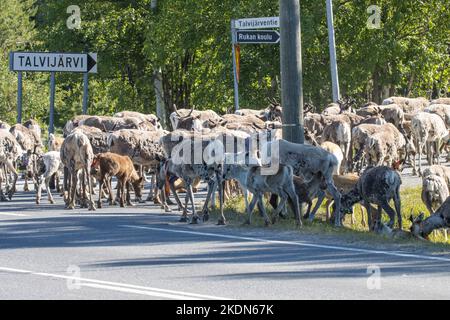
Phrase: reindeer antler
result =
(308, 107)
(192, 110)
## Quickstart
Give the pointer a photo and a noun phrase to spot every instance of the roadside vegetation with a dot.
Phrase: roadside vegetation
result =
(411, 202)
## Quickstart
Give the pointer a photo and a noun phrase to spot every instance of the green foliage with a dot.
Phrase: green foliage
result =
(190, 41)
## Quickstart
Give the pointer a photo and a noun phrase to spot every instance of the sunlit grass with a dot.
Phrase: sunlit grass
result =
(234, 210)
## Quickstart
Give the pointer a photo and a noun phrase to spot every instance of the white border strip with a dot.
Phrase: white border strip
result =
(301, 244)
(14, 214)
(121, 287)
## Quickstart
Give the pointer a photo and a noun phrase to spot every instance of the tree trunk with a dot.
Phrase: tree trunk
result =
(159, 94)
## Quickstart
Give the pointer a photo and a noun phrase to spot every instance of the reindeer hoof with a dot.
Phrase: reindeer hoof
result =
(194, 220)
(183, 219)
(52, 201)
(167, 209)
(38, 202)
(92, 208)
(221, 222)
(205, 217)
(266, 223)
(99, 204)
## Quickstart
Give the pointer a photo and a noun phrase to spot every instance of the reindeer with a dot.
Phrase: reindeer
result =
(306, 161)
(106, 165)
(190, 119)
(377, 185)
(422, 228)
(49, 165)
(77, 155)
(10, 151)
(428, 130)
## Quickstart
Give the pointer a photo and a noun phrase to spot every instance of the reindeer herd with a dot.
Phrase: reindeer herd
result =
(351, 155)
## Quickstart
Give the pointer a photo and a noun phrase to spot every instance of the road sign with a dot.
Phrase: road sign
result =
(257, 36)
(257, 23)
(53, 62)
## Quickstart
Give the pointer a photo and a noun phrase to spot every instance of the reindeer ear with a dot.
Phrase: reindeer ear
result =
(420, 217)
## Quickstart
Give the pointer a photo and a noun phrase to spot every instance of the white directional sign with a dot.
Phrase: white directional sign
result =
(257, 36)
(53, 62)
(257, 23)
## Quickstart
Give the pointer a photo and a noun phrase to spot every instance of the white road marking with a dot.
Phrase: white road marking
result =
(300, 244)
(121, 287)
(112, 215)
(14, 214)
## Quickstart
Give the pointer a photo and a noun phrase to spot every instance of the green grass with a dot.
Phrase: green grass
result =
(234, 211)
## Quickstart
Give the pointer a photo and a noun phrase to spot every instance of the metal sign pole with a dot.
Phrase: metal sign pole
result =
(52, 103)
(85, 92)
(332, 47)
(19, 97)
(236, 86)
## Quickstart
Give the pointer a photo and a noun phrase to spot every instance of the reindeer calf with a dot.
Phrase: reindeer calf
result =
(106, 165)
(280, 183)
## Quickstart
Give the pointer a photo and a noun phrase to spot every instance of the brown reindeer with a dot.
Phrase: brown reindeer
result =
(106, 165)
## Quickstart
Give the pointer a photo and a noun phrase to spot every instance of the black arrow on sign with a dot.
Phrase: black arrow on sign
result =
(90, 62)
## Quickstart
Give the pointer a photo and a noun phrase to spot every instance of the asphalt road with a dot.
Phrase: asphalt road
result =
(47, 252)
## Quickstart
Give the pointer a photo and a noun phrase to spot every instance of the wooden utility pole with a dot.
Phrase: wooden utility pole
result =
(291, 71)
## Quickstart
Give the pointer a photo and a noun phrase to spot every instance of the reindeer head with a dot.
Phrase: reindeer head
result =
(348, 200)
(417, 227)
(398, 165)
(310, 137)
(138, 184)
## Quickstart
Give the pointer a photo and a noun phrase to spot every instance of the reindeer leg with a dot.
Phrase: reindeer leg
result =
(328, 207)
(175, 195)
(397, 203)
(281, 205)
(2, 196)
(222, 220)
(250, 208)
(263, 210)
(195, 217)
(353, 220)
(25, 186)
(14, 172)
(100, 189)
(73, 187)
(47, 186)
(89, 183)
(184, 217)
(39, 191)
(337, 200)
(318, 204)
(391, 213)
(211, 188)
(297, 210)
